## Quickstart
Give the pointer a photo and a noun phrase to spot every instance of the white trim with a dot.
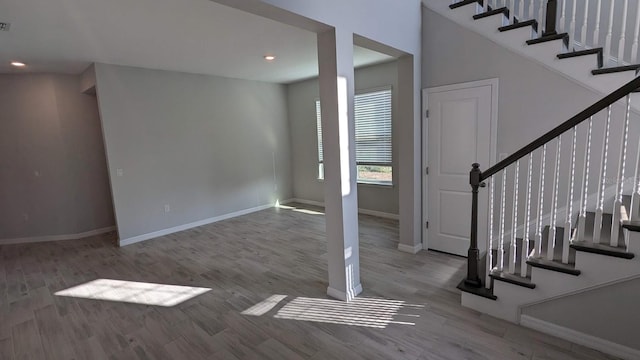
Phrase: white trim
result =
(77, 236)
(411, 249)
(580, 338)
(380, 214)
(155, 234)
(494, 83)
(344, 296)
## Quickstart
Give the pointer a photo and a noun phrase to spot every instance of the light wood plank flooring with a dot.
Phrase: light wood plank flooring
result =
(245, 261)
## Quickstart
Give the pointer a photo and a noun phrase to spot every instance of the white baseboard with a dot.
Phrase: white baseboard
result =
(155, 234)
(344, 296)
(411, 249)
(380, 214)
(77, 236)
(579, 338)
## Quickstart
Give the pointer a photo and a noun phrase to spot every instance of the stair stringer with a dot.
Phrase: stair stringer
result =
(574, 69)
(596, 270)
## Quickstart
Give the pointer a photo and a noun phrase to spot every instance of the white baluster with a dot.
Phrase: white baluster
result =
(521, 10)
(527, 220)
(635, 197)
(585, 184)
(490, 238)
(563, 16)
(636, 34)
(623, 33)
(585, 21)
(539, 224)
(596, 31)
(514, 220)
(609, 37)
(615, 225)
(531, 8)
(569, 213)
(541, 18)
(572, 26)
(597, 228)
(551, 242)
(485, 6)
(512, 11)
(502, 221)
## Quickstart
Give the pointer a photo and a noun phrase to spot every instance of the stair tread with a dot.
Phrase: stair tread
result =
(615, 69)
(631, 225)
(518, 25)
(463, 3)
(553, 266)
(562, 36)
(481, 291)
(502, 10)
(512, 279)
(620, 252)
(595, 51)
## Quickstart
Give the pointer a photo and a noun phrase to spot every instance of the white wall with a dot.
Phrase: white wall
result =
(53, 178)
(304, 144)
(206, 146)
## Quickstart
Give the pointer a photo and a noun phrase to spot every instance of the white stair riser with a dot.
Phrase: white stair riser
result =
(546, 52)
(496, 308)
(518, 36)
(489, 25)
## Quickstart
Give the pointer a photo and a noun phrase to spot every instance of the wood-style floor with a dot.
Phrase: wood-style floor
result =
(244, 261)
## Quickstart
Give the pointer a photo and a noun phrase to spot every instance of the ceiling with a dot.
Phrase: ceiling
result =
(196, 36)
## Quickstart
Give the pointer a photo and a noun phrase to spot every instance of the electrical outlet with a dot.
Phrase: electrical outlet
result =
(167, 208)
(25, 216)
(36, 173)
(119, 172)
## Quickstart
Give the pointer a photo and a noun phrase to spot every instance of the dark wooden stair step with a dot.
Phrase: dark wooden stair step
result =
(572, 54)
(518, 25)
(615, 69)
(465, 2)
(602, 249)
(563, 36)
(512, 279)
(502, 10)
(480, 291)
(553, 266)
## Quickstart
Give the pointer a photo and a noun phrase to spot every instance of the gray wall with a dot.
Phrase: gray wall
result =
(302, 98)
(610, 312)
(206, 146)
(53, 178)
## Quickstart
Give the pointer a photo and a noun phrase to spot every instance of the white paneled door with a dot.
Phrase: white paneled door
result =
(460, 133)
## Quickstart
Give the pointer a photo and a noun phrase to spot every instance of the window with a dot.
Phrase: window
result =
(373, 137)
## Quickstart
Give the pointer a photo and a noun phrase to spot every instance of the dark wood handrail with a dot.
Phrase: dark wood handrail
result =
(560, 129)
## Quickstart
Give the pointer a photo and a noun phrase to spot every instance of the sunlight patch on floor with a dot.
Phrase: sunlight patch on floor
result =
(133, 292)
(363, 312)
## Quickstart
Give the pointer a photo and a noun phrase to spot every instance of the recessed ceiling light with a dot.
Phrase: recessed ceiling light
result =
(18, 64)
(269, 57)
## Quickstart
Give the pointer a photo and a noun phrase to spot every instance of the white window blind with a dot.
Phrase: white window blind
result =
(373, 128)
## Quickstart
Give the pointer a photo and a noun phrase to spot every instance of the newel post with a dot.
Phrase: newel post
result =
(550, 19)
(473, 259)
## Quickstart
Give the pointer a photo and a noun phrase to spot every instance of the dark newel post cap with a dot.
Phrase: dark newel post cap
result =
(474, 176)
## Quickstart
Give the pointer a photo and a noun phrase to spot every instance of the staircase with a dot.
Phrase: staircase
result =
(563, 211)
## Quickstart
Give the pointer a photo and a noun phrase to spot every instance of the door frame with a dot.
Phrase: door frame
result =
(494, 83)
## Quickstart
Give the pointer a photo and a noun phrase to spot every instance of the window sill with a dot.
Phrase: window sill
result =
(371, 183)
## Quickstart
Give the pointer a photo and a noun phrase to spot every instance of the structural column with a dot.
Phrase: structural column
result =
(409, 151)
(335, 59)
